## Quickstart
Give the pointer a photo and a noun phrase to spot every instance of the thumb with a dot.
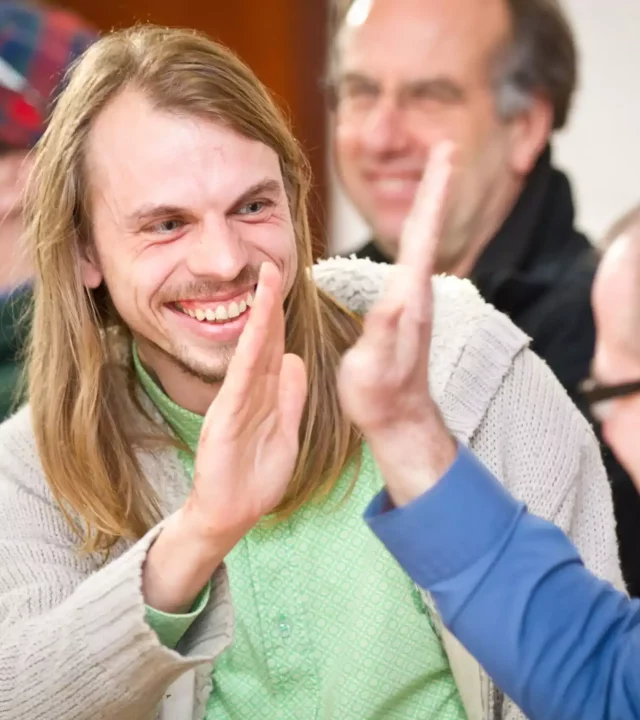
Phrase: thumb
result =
(292, 393)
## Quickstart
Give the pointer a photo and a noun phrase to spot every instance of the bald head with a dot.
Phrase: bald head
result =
(616, 305)
(616, 293)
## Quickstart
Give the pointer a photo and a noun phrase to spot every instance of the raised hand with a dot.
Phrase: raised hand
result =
(249, 442)
(245, 459)
(384, 378)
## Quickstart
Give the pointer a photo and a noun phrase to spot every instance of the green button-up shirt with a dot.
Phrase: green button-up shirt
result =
(327, 624)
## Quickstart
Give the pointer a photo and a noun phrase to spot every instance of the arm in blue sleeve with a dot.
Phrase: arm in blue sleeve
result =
(562, 644)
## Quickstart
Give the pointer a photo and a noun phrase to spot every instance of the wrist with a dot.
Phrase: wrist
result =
(436, 459)
(414, 458)
(179, 564)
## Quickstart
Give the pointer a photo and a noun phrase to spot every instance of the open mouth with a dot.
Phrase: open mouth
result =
(216, 311)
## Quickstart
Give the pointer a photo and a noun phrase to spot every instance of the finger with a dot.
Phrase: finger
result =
(253, 356)
(395, 334)
(276, 329)
(292, 394)
(423, 229)
(380, 334)
(250, 349)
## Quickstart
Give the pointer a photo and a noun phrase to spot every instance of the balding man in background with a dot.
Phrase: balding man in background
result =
(497, 78)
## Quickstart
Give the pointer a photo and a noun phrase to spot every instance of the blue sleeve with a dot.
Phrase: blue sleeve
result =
(561, 643)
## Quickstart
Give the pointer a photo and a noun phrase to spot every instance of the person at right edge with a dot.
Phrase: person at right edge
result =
(511, 587)
(497, 78)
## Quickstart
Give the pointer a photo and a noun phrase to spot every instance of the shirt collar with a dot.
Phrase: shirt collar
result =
(184, 423)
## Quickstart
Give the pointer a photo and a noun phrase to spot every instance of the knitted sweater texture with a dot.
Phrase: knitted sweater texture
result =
(74, 643)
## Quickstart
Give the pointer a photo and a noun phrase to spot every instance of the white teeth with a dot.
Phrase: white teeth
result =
(221, 312)
(396, 185)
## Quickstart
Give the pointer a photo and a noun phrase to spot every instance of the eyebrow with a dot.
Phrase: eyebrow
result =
(356, 77)
(147, 212)
(267, 186)
(439, 87)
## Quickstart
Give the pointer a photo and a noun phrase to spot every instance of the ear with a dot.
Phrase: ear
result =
(90, 270)
(530, 132)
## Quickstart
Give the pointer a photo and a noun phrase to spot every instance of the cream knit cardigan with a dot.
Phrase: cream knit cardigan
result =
(74, 643)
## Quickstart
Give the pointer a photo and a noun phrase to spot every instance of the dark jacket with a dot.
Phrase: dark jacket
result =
(13, 336)
(538, 269)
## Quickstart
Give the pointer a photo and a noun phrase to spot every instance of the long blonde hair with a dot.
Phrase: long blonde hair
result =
(82, 392)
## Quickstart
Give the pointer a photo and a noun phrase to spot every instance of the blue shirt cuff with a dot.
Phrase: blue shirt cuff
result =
(450, 527)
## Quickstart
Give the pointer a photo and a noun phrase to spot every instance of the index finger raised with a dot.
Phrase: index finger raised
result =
(423, 229)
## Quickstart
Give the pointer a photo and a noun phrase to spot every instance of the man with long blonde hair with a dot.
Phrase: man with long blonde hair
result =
(188, 443)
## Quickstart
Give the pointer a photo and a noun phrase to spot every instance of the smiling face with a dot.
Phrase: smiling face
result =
(411, 73)
(184, 211)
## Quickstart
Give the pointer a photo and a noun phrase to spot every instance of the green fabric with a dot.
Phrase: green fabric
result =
(170, 627)
(14, 330)
(327, 624)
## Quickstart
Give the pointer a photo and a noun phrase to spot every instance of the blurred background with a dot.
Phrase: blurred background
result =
(285, 42)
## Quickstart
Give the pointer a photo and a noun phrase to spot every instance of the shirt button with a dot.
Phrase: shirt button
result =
(284, 627)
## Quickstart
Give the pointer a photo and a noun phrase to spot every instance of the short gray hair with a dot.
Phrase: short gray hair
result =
(540, 55)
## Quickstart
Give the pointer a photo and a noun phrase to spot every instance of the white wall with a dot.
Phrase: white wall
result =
(601, 148)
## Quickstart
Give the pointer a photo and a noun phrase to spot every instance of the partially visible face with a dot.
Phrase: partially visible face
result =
(15, 264)
(184, 212)
(14, 169)
(617, 356)
(413, 73)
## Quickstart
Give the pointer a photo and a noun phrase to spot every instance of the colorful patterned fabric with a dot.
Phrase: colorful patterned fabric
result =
(327, 624)
(38, 44)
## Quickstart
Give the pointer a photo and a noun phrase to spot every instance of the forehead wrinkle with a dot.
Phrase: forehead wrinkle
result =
(125, 181)
(201, 164)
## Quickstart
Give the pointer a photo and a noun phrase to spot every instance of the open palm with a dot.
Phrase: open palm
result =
(249, 442)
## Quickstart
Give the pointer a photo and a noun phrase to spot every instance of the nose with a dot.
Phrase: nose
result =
(385, 129)
(217, 251)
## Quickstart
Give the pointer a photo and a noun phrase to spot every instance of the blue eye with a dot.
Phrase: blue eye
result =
(253, 208)
(166, 227)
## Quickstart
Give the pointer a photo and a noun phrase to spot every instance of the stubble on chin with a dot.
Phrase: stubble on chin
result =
(208, 371)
